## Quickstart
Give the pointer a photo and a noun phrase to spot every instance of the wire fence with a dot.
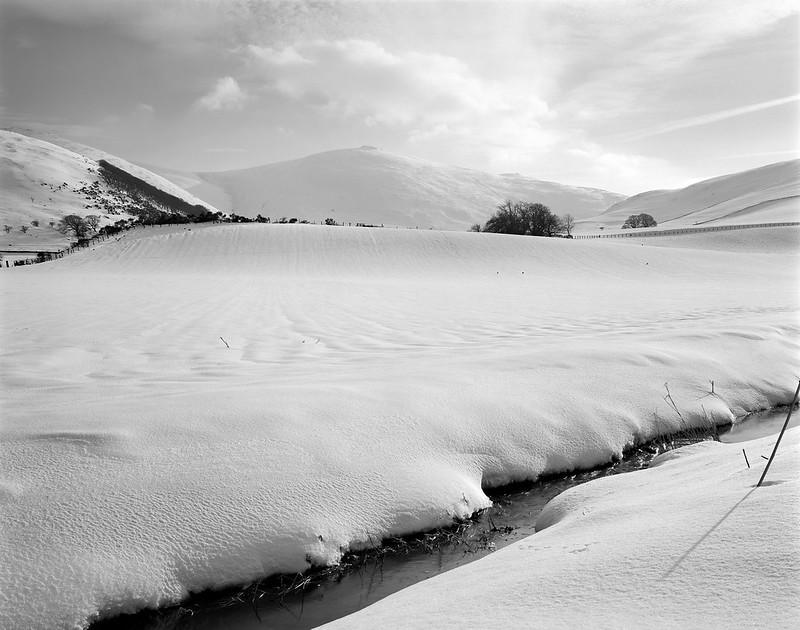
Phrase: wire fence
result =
(39, 256)
(688, 230)
(45, 255)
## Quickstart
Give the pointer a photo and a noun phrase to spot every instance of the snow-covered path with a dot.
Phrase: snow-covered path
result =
(375, 381)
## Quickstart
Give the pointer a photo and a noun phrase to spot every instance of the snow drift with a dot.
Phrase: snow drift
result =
(769, 194)
(367, 185)
(376, 381)
(688, 543)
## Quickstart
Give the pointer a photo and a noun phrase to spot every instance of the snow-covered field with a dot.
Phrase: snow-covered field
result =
(375, 383)
(773, 240)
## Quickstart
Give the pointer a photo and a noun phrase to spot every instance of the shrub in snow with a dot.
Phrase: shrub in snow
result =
(524, 218)
(639, 220)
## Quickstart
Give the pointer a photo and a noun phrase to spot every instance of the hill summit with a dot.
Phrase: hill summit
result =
(369, 185)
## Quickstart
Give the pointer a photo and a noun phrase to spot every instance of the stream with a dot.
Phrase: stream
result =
(322, 595)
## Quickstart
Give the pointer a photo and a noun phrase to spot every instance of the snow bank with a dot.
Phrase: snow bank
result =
(375, 383)
(688, 543)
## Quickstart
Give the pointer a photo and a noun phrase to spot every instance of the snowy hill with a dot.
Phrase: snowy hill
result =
(367, 185)
(769, 194)
(41, 181)
(273, 395)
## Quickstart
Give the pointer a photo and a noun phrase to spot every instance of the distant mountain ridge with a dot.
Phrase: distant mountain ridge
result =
(767, 194)
(369, 185)
(44, 180)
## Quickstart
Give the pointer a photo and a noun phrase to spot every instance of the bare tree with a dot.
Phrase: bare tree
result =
(568, 223)
(73, 224)
(92, 221)
(7, 228)
(23, 229)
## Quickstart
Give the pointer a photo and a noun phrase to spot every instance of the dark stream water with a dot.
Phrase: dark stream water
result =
(300, 602)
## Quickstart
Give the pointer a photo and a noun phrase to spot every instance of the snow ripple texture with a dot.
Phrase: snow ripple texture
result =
(376, 381)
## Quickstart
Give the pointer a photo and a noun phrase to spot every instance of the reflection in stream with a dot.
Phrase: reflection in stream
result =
(758, 425)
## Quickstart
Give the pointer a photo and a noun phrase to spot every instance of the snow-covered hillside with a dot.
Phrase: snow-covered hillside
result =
(41, 181)
(769, 194)
(367, 185)
(376, 382)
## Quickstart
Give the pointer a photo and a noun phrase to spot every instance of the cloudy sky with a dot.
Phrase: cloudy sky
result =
(624, 95)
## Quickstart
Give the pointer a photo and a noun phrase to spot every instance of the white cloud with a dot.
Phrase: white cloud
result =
(154, 21)
(226, 95)
(224, 150)
(628, 173)
(786, 153)
(285, 57)
(641, 48)
(547, 88)
(705, 119)
(423, 95)
(445, 110)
